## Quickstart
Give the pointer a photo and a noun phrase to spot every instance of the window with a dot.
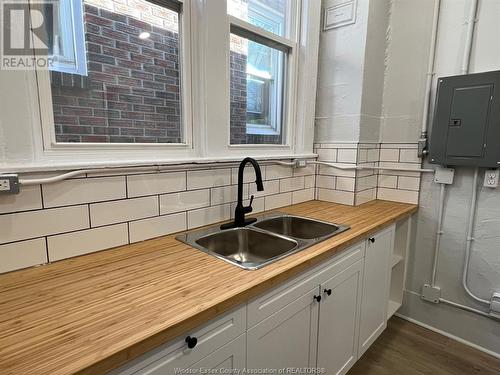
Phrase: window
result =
(67, 40)
(131, 87)
(259, 54)
(171, 80)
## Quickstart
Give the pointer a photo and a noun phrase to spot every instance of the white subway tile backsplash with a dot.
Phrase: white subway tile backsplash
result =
(300, 196)
(270, 188)
(257, 206)
(141, 230)
(345, 183)
(86, 241)
(31, 224)
(308, 170)
(209, 215)
(183, 201)
(408, 156)
(366, 196)
(278, 200)
(327, 154)
(29, 198)
(274, 172)
(123, 210)
(226, 194)
(336, 196)
(405, 196)
(347, 155)
(408, 183)
(155, 183)
(291, 184)
(332, 171)
(17, 255)
(208, 178)
(387, 181)
(326, 182)
(83, 190)
(309, 181)
(389, 154)
(248, 174)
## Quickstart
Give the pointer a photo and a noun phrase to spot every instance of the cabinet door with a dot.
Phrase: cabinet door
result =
(339, 320)
(376, 281)
(230, 357)
(176, 354)
(287, 338)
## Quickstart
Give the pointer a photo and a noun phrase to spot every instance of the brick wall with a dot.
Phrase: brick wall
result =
(132, 90)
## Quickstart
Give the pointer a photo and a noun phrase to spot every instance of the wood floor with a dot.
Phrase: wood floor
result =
(408, 349)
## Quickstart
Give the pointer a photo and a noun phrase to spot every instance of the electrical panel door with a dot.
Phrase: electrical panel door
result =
(466, 128)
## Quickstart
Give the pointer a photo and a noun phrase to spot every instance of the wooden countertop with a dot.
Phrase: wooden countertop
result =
(92, 313)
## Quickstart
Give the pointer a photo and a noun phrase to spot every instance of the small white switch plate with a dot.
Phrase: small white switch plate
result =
(444, 175)
(491, 178)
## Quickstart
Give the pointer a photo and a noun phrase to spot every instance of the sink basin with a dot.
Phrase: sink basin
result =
(298, 227)
(271, 238)
(247, 247)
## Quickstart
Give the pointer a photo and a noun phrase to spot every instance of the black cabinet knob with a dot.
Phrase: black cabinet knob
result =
(328, 292)
(372, 239)
(191, 342)
(317, 298)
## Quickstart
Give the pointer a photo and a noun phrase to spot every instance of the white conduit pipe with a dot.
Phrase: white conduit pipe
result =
(430, 68)
(439, 233)
(471, 23)
(360, 167)
(470, 238)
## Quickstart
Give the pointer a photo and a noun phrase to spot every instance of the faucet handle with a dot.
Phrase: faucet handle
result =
(248, 208)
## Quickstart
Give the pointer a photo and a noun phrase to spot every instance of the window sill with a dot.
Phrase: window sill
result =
(261, 130)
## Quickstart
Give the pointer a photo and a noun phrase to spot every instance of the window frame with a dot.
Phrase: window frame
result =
(141, 151)
(76, 15)
(205, 38)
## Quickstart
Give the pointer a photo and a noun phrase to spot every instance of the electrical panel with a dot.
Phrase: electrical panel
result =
(466, 127)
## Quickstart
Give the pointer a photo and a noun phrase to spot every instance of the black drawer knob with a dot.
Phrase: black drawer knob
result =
(317, 298)
(328, 292)
(372, 239)
(191, 342)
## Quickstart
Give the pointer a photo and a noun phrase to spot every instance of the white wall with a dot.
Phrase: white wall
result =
(403, 100)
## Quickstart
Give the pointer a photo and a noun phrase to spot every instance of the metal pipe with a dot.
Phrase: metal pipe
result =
(430, 68)
(439, 233)
(360, 168)
(470, 238)
(469, 39)
(466, 308)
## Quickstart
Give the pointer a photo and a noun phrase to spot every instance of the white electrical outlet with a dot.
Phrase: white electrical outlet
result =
(491, 178)
(9, 183)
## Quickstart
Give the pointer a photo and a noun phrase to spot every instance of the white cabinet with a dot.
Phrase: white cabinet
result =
(287, 338)
(231, 356)
(339, 318)
(176, 354)
(376, 280)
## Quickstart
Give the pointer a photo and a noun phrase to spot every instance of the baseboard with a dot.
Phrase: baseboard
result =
(453, 337)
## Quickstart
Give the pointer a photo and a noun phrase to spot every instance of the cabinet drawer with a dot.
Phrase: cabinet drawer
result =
(263, 306)
(176, 354)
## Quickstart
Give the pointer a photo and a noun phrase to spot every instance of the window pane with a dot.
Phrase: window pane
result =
(132, 91)
(271, 15)
(256, 92)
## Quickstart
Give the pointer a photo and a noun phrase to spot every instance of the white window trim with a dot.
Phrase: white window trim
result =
(53, 150)
(274, 128)
(80, 66)
(206, 45)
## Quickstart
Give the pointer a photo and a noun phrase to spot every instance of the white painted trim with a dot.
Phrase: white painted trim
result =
(449, 335)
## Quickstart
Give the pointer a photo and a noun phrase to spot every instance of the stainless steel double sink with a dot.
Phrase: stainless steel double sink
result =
(270, 238)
